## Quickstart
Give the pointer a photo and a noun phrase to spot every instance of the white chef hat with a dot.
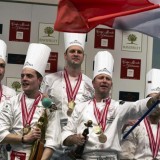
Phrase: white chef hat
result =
(153, 81)
(37, 57)
(71, 39)
(103, 63)
(3, 50)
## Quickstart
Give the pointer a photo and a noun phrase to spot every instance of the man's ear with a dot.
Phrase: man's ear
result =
(65, 54)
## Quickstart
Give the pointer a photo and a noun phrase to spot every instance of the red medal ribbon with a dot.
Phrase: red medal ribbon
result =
(101, 117)
(71, 94)
(0, 92)
(154, 145)
(28, 115)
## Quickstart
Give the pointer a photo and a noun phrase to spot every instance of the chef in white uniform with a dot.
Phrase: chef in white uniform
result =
(5, 92)
(69, 86)
(19, 117)
(106, 114)
(143, 143)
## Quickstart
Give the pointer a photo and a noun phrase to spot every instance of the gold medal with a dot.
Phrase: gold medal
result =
(97, 129)
(102, 138)
(71, 105)
(26, 129)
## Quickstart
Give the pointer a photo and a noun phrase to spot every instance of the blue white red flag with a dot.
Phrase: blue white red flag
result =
(84, 15)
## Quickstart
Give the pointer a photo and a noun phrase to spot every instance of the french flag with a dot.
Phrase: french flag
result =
(82, 16)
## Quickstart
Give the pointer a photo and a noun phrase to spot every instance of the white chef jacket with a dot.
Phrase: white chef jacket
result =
(7, 93)
(136, 145)
(54, 85)
(11, 122)
(116, 117)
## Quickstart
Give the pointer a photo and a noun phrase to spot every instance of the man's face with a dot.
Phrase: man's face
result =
(2, 69)
(74, 56)
(102, 84)
(30, 81)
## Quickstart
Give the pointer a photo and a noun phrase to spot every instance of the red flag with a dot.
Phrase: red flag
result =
(84, 15)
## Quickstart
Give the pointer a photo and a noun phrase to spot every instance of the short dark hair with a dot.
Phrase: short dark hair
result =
(39, 75)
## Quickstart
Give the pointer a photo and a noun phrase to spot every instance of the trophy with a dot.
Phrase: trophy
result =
(38, 145)
(78, 152)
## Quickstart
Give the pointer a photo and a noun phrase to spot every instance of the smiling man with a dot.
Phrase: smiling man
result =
(20, 115)
(106, 114)
(69, 86)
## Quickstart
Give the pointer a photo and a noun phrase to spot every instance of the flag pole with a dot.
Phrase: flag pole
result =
(145, 114)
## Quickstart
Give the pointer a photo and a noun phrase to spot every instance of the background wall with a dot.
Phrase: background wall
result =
(37, 13)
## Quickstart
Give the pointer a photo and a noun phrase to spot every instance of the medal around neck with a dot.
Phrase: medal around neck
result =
(71, 106)
(97, 129)
(26, 129)
(69, 112)
(102, 138)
